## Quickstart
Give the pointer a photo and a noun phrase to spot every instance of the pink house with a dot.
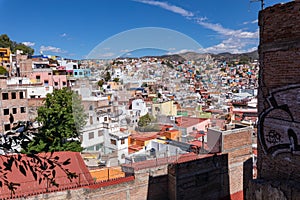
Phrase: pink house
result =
(190, 126)
(49, 78)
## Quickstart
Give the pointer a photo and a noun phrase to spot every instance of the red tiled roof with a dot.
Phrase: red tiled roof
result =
(198, 144)
(186, 122)
(144, 136)
(28, 185)
(134, 148)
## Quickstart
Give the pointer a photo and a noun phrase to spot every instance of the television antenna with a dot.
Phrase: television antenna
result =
(262, 3)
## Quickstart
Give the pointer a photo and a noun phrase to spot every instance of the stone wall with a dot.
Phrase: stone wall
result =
(278, 104)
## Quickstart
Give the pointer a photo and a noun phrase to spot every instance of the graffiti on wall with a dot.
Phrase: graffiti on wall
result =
(279, 125)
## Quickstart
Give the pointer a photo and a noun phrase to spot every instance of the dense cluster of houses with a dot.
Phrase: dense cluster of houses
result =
(183, 101)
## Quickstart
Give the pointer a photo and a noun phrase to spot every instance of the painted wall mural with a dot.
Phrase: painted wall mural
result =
(279, 125)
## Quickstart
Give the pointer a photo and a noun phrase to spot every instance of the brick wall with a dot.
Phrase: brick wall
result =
(205, 178)
(237, 143)
(278, 104)
(280, 60)
(129, 190)
(12, 101)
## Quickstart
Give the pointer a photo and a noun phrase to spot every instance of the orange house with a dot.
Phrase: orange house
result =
(172, 134)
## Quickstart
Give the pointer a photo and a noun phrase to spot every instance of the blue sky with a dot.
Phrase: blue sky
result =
(73, 28)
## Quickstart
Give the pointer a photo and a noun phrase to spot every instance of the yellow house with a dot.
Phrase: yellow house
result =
(5, 55)
(167, 108)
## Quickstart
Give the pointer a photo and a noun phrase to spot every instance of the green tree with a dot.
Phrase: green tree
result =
(3, 71)
(6, 42)
(107, 76)
(145, 120)
(159, 95)
(100, 83)
(24, 48)
(62, 117)
(116, 80)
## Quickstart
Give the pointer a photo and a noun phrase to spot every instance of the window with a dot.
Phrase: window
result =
(21, 95)
(49, 73)
(13, 95)
(23, 110)
(46, 83)
(38, 78)
(80, 73)
(64, 83)
(7, 127)
(75, 73)
(56, 83)
(100, 133)
(14, 110)
(6, 111)
(109, 110)
(4, 96)
(122, 141)
(91, 120)
(98, 147)
(105, 119)
(112, 141)
(91, 107)
(91, 135)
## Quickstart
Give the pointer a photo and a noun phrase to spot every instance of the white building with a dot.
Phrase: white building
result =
(117, 73)
(139, 105)
(116, 140)
(33, 90)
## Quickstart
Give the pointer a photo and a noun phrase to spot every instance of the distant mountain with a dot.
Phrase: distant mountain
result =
(229, 56)
(201, 56)
(250, 56)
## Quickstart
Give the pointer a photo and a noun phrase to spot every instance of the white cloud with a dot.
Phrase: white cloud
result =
(228, 32)
(180, 51)
(51, 49)
(63, 35)
(29, 44)
(169, 7)
(231, 45)
(236, 41)
(251, 22)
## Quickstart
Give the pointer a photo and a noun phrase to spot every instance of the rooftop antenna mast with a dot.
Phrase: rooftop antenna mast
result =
(262, 3)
